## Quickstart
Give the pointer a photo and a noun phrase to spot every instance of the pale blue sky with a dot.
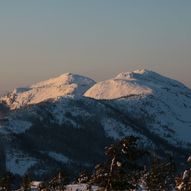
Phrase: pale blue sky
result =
(97, 38)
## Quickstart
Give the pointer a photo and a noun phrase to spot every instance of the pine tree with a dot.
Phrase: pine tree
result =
(161, 176)
(122, 169)
(83, 178)
(26, 184)
(6, 181)
(183, 183)
(58, 182)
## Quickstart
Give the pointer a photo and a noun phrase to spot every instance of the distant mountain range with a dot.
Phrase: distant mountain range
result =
(65, 122)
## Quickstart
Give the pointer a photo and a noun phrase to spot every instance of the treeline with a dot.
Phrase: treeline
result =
(127, 167)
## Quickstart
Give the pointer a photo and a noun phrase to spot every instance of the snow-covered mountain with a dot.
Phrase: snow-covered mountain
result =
(66, 122)
(143, 95)
(66, 84)
(139, 82)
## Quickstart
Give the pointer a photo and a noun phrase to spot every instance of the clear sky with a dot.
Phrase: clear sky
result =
(40, 39)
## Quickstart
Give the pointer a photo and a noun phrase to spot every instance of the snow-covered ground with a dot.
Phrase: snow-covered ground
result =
(18, 163)
(80, 187)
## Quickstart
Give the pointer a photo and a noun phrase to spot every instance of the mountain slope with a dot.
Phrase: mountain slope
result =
(162, 103)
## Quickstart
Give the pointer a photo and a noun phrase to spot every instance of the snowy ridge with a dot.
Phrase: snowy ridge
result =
(66, 84)
(138, 82)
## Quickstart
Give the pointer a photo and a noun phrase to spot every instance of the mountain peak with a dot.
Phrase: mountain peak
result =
(124, 84)
(63, 85)
(133, 74)
(140, 74)
(64, 79)
(138, 82)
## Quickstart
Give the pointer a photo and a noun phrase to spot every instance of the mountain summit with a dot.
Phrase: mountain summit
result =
(138, 82)
(64, 85)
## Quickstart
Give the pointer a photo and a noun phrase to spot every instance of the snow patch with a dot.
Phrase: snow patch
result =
(19, 126)
(18, 163)
(59, 157)
(80, 187)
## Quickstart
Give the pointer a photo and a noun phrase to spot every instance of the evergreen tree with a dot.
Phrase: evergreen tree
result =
(83, 178)
(183, 183)
(161, 176)
(26, 184)
(58, 182)
(6, 181)
(122, 169)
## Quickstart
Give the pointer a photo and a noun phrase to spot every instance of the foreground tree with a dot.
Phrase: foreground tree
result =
(83, 178)
(58, 183)
(122, 170)
(26, 184)
(183, 183)
(6, 182)
(161, 176)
